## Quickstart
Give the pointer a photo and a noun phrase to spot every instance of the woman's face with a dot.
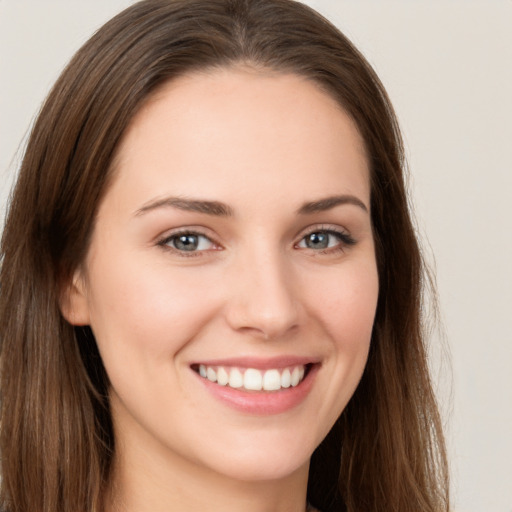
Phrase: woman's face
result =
(231, 281)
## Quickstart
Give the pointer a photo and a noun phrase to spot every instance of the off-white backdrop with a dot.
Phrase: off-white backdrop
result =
(448, 68)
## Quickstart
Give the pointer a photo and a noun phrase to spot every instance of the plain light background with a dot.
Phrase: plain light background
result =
(447, 66)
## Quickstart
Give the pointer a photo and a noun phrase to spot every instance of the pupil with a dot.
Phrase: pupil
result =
(317, 240)
(186, 242)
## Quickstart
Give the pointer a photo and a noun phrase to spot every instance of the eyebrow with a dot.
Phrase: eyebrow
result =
(190, 205)
(219, 209)
(328, 203)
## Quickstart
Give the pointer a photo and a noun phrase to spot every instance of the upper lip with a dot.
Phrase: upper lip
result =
(260, 363)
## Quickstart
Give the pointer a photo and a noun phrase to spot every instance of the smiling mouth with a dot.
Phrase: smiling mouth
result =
(253, 379)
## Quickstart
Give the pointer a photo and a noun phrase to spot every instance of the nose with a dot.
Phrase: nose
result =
(263, 301)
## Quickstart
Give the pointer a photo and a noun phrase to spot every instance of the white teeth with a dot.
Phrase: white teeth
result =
(236, 379)
(286, 377)
(271, 380)
(222, 376)
(211, 374)
(253, 379)
(295, 376)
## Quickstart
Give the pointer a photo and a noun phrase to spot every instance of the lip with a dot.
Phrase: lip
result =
(279, 362)
(262, 403)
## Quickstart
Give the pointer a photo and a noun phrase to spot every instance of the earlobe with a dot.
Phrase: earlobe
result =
(73, 301)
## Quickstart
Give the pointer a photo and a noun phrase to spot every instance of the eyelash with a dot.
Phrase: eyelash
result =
(167, 240)
(344, 238)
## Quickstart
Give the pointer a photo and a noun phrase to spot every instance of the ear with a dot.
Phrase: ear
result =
(73, 302)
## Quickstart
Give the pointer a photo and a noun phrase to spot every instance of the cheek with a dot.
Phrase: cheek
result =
(347, 302)
(344, 305)
(146, 309)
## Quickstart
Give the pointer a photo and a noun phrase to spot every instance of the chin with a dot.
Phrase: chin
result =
(263, 457)
(263, 469)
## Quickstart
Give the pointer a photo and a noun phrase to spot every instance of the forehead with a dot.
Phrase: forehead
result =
(228, 126)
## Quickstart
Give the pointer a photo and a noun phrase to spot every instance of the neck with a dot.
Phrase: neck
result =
(143, 482)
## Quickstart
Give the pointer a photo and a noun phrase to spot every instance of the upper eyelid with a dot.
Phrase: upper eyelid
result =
(192, 230)
(334, 228)
(202, 231)
(164, 243)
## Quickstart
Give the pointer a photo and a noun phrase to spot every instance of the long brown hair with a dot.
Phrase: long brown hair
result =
(386, 451)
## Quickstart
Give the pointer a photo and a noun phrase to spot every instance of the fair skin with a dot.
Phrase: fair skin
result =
(235, 235)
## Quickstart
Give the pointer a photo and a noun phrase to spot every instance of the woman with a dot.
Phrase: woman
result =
(210, 286)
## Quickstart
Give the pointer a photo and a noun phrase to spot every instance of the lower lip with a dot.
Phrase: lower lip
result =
(263, 402)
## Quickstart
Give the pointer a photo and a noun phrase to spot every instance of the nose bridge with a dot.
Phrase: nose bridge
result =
(264, 301)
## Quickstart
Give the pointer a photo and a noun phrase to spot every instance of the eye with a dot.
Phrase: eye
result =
(188, 242)
(325, 239)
